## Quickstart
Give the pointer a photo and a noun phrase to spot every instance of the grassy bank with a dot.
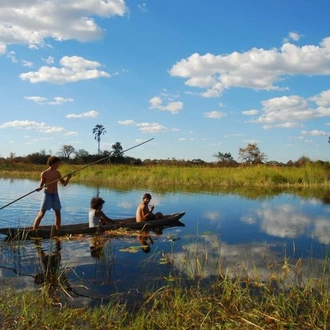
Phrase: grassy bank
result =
(223, 304)
(262, 176)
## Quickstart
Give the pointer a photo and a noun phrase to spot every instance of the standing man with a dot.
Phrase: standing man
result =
(51, 200)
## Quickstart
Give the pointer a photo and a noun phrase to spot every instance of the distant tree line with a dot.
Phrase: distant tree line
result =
(248, 156)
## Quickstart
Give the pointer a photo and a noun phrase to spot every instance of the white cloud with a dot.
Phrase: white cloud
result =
(36, 99)
(292, 36)
(250, 112)
(60, 100)
(173, 107)
(322, 99)
(126, 122)
(289, 109)
(73, 69)
(288, 124)
(215, 114)
(28, 64)
(43, 100)
(88, 114)
(151, 128)
(49, 60)
(32, 22)
(257, 68)
(315, 132)
(32, 125)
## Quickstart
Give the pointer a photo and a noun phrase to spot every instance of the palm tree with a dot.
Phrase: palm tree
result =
(98, 130)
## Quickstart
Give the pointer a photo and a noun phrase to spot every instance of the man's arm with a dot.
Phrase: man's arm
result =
(65, 181)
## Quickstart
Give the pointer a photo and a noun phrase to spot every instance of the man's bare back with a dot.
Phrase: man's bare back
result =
(49, 178)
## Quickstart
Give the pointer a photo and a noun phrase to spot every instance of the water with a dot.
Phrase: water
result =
(230, 230)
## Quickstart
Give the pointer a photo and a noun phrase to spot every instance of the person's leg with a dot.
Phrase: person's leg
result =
(38, 219)
(45, 205)
(56, 205)
(58, 219)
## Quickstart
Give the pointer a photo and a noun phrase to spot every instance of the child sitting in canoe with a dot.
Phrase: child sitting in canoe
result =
(96, 215)
(143, 213)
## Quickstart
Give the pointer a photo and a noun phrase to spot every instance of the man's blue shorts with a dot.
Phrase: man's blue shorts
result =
(51, 201)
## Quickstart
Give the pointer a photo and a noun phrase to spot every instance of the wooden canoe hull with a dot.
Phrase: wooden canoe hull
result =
(169, 220)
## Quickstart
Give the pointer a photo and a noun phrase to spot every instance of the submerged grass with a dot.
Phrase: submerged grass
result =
(223, 304)
(186, 300)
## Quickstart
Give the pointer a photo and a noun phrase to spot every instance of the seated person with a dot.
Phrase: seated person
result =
(96, 215)
(143, 213)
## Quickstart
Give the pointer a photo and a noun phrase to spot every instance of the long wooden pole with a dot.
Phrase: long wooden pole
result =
(70, 174)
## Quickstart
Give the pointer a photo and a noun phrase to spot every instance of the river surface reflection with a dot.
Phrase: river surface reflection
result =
(223, 232)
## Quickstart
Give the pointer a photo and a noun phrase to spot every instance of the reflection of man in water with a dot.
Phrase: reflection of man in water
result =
(51, 276)
(146, 241)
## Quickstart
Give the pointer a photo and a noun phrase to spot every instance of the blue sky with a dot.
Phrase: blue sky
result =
(198, 76)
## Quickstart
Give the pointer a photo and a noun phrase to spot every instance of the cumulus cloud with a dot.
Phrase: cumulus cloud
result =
(44, 100)
(250, 112)
(288, 124)
(322, 99)
(87, 114)
(292, 36)
(126, 122)
(157, 102)
(73, 69)
(151, 128)
(257, 68)
(215, 114)
(290, 111)
(49, 60)
(33, 125)
(32, 22)
(314, 132)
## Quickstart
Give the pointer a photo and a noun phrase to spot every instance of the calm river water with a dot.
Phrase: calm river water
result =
(223, 232)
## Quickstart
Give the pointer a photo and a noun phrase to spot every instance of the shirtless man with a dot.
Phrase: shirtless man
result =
(48, 181)
(143, 213)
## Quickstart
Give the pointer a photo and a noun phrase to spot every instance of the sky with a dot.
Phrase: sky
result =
(198, 77)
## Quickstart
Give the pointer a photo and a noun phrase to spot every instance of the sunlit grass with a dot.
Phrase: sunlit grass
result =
(187, 298)
(173, 177)
(225, 303)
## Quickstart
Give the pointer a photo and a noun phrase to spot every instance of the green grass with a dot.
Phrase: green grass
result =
(224, 303)
(192, 178)
(228, 300)
(181, 301)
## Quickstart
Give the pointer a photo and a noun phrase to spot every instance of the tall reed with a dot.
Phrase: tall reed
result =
(171, 177)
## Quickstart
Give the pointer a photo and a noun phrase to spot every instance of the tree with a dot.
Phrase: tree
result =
(81, 154)
(224, 158)
(117, 149)
(117, 154)
(98, 130)
(251, 154)
(66, 151)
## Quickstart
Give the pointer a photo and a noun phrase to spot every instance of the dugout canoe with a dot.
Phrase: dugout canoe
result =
(21, 233)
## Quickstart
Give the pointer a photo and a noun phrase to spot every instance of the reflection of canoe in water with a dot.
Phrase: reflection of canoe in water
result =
(169, 220)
